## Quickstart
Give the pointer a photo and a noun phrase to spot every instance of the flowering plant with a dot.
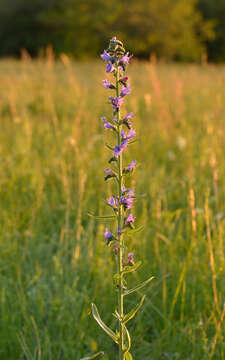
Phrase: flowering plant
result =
(121, 203)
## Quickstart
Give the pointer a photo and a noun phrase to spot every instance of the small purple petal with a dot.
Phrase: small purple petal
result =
(124, 189)
(125, 90)
(127, 201)
(108, 171)
(120, 148)
(110, 67)
(128, 136)
(130, 258)
(112, 201)
(130, 192)
(108, 234)
(107, 124)
(116, 248)
(105, 56)
(124, 79)
(131, 166)
(131, 134)
(130, 219)
(107, 84)
(126, 59)
(116, 102)
(128, 116)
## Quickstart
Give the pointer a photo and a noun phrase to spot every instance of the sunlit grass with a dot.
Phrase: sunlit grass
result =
(53, 258)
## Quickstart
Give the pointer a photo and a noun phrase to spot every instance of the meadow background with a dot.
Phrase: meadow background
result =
(53, 258)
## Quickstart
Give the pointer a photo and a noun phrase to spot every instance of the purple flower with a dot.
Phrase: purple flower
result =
(128, 136)
(105, 56)
(130, 192)
(127, 201)
(119, 148)
(129, 219)
(131, 166)
(127, 191)
(108, 234)
(116, 102)
(125, 90)
(126, 59)
(112, 201)
(115, 248)
(107, 124)
(124, 190)
(108, 171)
(130, 258)
(128, 116)
(123, 80)
(110, 67)
(107, 84)
(126, 120)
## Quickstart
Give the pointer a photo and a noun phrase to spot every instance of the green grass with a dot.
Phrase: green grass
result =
(53, 260)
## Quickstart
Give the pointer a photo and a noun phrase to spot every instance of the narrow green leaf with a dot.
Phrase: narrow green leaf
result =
(109, 147)
(101, 353)
(133, 141)
(128, 339)
(117, 316)
(133, 312)
(102, 217)
(128, 356)
(108, 331)
(133, 231)
(138, 287)
(131, 268)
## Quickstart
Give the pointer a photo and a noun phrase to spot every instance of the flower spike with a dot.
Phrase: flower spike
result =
(117, 61)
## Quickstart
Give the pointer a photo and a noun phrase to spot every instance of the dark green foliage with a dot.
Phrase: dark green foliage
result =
(173, 29)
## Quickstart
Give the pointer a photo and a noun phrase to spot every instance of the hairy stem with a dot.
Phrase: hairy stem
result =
(120, 219)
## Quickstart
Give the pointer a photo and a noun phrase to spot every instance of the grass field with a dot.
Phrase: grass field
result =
(53, 259)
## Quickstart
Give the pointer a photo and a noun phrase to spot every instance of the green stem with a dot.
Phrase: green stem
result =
(120, 220)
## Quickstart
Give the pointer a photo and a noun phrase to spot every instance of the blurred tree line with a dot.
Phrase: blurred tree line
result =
(173, 29)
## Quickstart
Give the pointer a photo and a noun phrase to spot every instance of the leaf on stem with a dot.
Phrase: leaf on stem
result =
(138, 287)
(102, 217)
(128, 340)
(128, 356)
(101, 353)
(133, 312)
(109, 147)
(133, 231)
(131, 268)
(107, 330)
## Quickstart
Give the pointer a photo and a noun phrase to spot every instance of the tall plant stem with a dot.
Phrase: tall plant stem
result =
(120, 219)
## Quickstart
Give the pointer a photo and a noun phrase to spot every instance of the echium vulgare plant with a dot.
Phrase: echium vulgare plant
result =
(121, 203)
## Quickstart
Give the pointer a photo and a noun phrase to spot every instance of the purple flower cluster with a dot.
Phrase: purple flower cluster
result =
(119, 148)
(129, 220)
(113, 202)
(107, 124)
(130, 167)
(125, 90)
(130, 258)
(117, 61)
(114, 61)
(108, 85)
(116, 102)
(127, 201)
